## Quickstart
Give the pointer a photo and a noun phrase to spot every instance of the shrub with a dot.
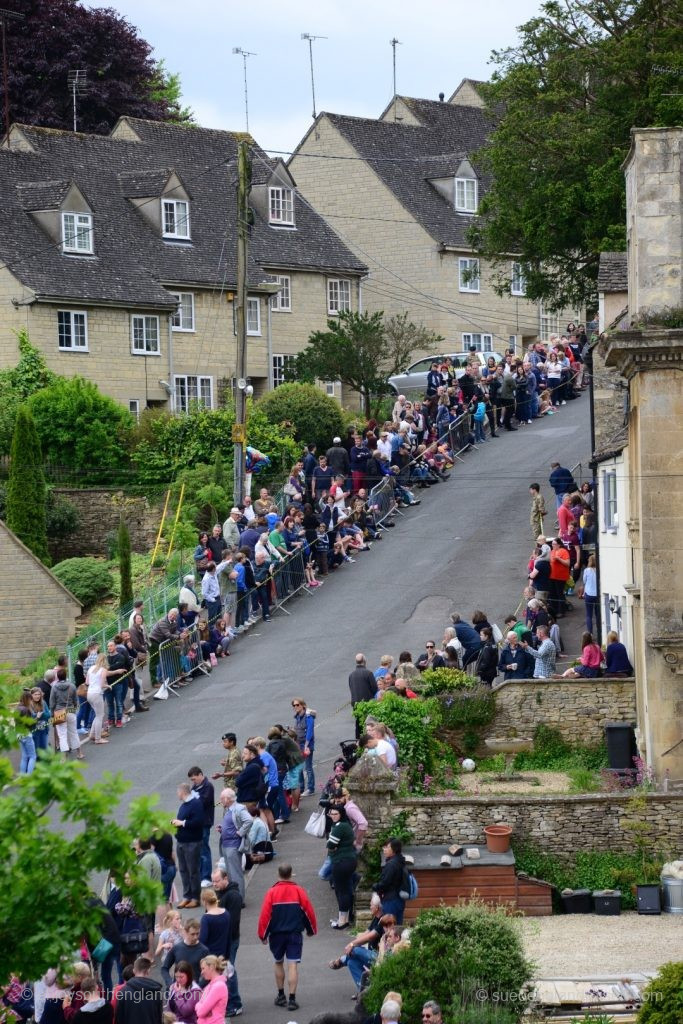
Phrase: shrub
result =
(61, 516)
(125, 572)
(26, 486)
(413, 722)
(441, 680)
(664, 997)
(83, 431)
(312, 415)
(551, 752)
(88, 579)
(462, 957)
(17, 384)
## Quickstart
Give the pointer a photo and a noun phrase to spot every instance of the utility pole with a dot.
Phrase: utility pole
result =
(239, 429)
(245, 54)
(4, 15)
(311, 39)
(394, 43)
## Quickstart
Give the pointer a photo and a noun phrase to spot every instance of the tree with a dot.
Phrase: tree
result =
(82, 430)
(314, 416)
(62, 831)
(563, 102)
(31, 374)
(58, 36)
(125, 573)
(361, 351)
(26, 486)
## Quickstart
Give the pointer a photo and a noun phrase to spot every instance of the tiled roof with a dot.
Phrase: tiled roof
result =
(613, 272)
(131, 261)
(42, 195)
(406, 156)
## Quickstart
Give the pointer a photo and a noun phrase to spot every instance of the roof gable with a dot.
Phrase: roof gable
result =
(51, 578)
(613, 272)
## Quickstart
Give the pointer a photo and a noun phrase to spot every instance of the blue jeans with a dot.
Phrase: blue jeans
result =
(115, 699)
(205, 855)
(41, 739)
(234, 997)
(28, 755)
(395, 907)
(213, 609)
(591, 604)
(86, 715)
(479, 431)
(306, 767)
(326, 870)
(358, 959)
(113, 958)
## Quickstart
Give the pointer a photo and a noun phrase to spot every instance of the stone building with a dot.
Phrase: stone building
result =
(402, 192)
(649, 356)
(36, 610)
(118, 256)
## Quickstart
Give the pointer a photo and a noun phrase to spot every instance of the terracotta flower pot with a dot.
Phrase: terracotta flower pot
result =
(498, 838)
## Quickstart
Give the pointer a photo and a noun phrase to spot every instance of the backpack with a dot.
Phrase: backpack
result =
(261, 787)
(409, 886)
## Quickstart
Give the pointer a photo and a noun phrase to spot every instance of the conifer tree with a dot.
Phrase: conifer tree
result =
(125, 572)
(26, 486)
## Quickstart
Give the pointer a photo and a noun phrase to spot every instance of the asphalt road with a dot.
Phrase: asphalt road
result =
(464, 548)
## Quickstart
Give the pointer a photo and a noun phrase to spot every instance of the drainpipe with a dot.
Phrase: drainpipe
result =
(269, 345)
(171, 381)
(596, 496)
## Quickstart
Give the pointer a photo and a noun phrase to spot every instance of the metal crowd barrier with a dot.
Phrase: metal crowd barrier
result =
(180, 658)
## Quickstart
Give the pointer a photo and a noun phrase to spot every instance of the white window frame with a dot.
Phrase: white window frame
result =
(180, 220)
(188, 380)
(466, 195)
(253, 302)
(281, 205)
(517, 279)
(549, 323)
(336, 301)
(610, 500)
(72, 314)
(143, 350)
(331, 387)
(473, 284)
(177, 317)
(134, 408)
(279, 363)
(78, 237)
(484, 344)
(281, 302)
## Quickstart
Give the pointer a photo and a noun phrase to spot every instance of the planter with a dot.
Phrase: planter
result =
(648, 899)
(577, 901)
(607, 902)
(498, 838)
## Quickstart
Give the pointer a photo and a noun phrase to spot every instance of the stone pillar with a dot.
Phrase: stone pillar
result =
(652, 362)
(372, 785)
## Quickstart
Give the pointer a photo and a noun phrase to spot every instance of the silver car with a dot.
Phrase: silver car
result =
(414, 379)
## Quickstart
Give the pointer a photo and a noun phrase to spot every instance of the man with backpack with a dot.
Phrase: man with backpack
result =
(233, 829)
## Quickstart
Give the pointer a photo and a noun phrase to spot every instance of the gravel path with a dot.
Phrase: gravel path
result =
(584, 945)
(545, 782)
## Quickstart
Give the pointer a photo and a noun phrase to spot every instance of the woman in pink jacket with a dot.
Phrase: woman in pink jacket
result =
(214, 998)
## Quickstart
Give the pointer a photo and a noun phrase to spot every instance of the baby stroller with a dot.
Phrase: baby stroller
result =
(349, 749)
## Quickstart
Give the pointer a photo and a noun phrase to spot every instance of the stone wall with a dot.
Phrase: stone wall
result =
(99, 514)
(558, 825)
(577, 708)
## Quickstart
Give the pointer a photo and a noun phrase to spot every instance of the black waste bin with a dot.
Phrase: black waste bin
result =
(621, 746)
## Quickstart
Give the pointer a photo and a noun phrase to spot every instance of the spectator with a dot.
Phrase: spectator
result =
(285, 914)
(343, 856)
(390, 883)
(590, 594)
(590, 661)
(616, 657)
(188, 951)
(469, 638)
(204, 790)
(544, 656)
(184, 994)
(514, 661)
(232, 831)
(487, 660)
(213, 1001)
(304, 727)
(230, 899)
(141, 999)
(431, 658)
(189, 823)
(561, 481)
(362, 684)
(64, 705)
(538, 509)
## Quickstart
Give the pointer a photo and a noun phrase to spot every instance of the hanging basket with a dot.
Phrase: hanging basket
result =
(498, 838)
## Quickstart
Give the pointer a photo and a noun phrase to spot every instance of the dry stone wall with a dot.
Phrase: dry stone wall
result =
(99, 514)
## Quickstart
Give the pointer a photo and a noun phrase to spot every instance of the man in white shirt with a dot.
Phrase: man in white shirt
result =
(384, 444)
(248, 510)
(188, 595)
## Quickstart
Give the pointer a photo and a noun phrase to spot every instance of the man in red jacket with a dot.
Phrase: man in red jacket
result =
(286, 913)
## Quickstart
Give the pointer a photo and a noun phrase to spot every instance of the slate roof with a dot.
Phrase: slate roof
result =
(131, 261)
(613, 272)
(406, 156)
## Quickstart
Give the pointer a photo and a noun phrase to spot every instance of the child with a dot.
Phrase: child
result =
(321, 546)
(479, 417)
(545, 405)
(171, 933)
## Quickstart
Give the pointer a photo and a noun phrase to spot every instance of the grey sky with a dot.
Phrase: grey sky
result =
(443, 41)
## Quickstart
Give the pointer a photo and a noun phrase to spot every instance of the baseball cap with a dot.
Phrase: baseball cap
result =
(336, 440)
(235, 509)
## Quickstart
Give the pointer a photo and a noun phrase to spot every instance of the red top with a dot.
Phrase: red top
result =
(559, 564)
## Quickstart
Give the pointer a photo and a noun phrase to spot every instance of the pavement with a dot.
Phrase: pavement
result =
(465, 547)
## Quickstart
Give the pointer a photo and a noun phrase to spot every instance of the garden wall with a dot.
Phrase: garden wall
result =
(99, 511)
(577, 708)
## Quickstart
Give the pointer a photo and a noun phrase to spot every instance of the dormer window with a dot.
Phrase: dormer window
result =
(466, 195)
(175, 218)
(281, 206)
(77, 233)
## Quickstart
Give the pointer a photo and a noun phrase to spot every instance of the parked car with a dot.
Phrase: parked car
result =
(415, 377)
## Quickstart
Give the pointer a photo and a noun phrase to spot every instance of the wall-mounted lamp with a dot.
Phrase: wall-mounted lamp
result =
(615, 607)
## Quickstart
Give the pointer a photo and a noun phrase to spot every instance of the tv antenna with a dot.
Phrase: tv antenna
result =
(245, 54)
(394, 43)
(4, 15)
(311, 39)
(77, 82)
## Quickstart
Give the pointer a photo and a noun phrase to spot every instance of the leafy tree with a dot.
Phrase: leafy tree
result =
(57, 36)
(219, 477)
(88, 579)
(361, 351)
(125, 573)
(62, 830)
(17, 384)
(564, 100)
(26, 486)
(313, 416)
(413, 723)
(82, 430)
(460, 956)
